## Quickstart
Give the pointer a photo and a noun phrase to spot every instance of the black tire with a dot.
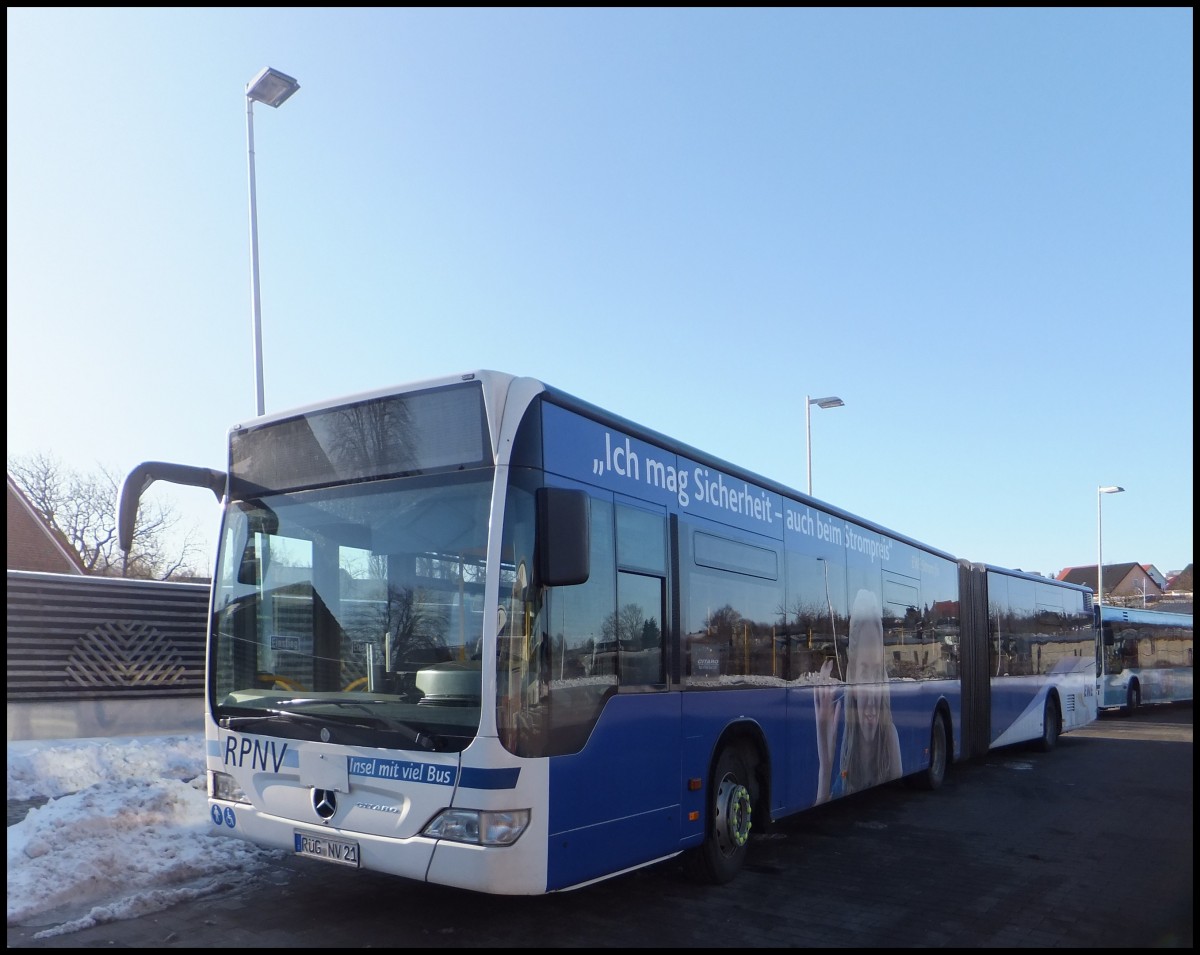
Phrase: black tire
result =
(727, 830)
(933, 775)
(1051, 726)
(1133, 697)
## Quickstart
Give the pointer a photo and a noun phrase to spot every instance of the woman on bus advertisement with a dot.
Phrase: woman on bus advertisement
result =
(870, 752)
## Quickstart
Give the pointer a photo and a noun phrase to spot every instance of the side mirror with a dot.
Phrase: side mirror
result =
(563, 536)
(145, 474)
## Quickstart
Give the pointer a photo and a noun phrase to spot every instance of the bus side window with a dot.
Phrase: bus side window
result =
(638, 628)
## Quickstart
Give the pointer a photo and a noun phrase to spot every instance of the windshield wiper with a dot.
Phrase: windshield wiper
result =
(371, 724)
(237, 722)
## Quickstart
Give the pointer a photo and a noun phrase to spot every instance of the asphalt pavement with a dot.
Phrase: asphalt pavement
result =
(1089, 846)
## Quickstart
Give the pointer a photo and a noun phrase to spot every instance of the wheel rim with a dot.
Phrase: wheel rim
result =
(733, 815)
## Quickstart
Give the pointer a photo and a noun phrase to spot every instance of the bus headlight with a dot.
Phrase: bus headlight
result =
(479, 827)
(224, 786)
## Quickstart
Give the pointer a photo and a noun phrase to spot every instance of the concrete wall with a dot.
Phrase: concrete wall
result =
(84, 719)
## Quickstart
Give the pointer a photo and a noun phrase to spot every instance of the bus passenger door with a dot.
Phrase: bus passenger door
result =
(641, 596)
(623, 782)
(641, 605)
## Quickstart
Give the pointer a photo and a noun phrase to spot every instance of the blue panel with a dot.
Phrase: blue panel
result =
(599, 851)
(1012, 697)
(615, 804)
(405, 770)
(707, 714)
(585, 450)
(624, 800)
(913, 703)
(912, 707)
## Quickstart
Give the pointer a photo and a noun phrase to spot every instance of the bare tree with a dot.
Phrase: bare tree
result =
(83, 508)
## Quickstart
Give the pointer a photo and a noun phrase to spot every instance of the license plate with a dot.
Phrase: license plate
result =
(328, 850)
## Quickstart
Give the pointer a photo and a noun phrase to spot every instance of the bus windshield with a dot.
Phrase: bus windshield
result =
(354, 613)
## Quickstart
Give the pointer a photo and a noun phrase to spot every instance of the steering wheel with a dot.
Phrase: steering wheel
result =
(275, 681)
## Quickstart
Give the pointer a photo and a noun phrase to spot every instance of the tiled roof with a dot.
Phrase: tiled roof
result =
(32, 543)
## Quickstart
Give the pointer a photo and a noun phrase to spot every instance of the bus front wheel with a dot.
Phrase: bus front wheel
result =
(1133, 697)
(730, 803)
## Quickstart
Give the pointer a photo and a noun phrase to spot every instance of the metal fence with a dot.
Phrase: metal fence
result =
(104, 656)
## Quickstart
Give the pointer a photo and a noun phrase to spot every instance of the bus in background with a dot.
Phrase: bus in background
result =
(478, 632)
(1146, 657)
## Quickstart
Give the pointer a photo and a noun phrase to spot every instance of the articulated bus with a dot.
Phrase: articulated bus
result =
(1146, 657)
(477, 632)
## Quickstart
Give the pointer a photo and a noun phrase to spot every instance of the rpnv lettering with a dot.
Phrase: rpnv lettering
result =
(264, 754)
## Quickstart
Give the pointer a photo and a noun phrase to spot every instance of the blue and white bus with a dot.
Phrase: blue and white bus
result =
(1146, 657)
(478, 632)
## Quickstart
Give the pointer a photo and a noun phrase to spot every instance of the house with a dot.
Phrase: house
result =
(1182, 581)
(1179, 592)
(1120, 580)
(32, 543)
(1156, 575)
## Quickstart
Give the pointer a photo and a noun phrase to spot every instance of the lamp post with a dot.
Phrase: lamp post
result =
(830, 402)
(1100, 492)
(272, 88)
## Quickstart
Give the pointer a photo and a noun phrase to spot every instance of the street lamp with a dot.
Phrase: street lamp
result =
(1100, 492)
(830, 402)
(272, 88)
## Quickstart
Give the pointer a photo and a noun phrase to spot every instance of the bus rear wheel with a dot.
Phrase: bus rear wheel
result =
(1051, 726)
(727, 838)
(934, 774)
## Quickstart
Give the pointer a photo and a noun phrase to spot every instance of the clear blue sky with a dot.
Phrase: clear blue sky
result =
(972, 225)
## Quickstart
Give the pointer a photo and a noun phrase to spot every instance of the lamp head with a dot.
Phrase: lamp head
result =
(271, 87)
